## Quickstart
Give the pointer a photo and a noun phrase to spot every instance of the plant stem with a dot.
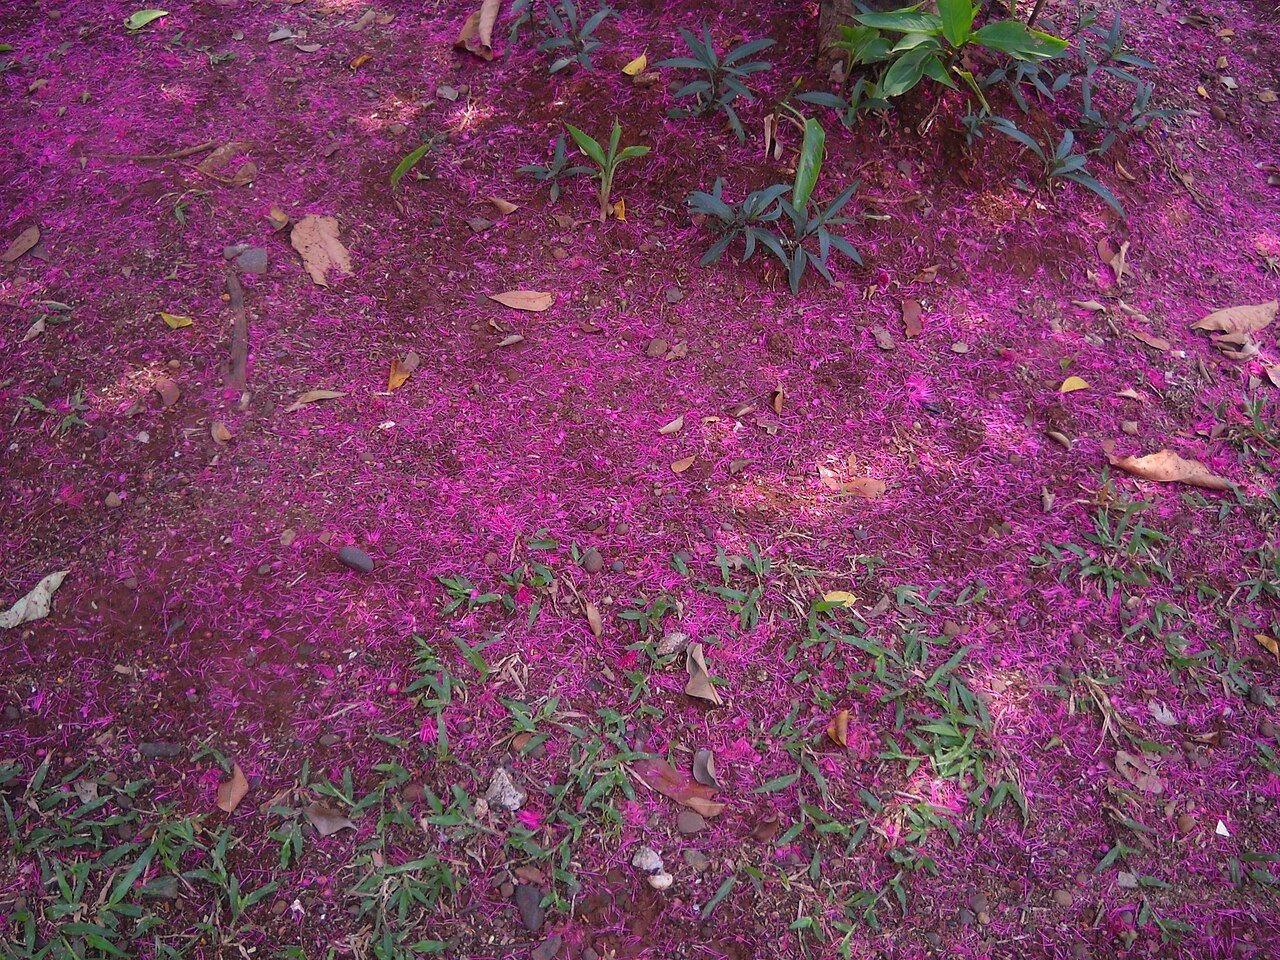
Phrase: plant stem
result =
(1035, 12)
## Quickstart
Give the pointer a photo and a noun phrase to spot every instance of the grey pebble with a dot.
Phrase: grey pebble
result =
(253, 260)
(689, 822)
(233, 251)
(697, 860)
(356, 559)
(529, 902)
(592, 562)
(159, 751)
(617, 566)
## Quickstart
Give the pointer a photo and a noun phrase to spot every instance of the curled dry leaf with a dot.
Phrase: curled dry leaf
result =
(176, 321)
(311, 396)
(1268, 643)
(699, 684)
(23, 242)
(326, 820)
(1167, 467)
(277, 218)
(511, 339)
(659, 775)
(838, 729)
(168, 390)
(1072, 384)
(219, 432)
(1243, 319)
(38, 328)
(1137, 771)
(534, 301)
(704, 768)
(316, 240)
(594, 619)
(911, 318)
(1093, 305)
(504, 207)
(674, 427)
(680, 466)
(401, 370)
(1151, 340)
(35, 605)
(1114, 257)
(233, 791)
(476, 35)
(636, 66)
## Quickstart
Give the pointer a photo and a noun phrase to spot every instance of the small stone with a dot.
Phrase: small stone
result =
(978, 903)
(959, 347)
(233, 251)
(690, 822)
(560, 253)
(112, 501)
(697, 860)
(657, 348)
(1186, 823)
(503, 792)
(356, 559)
(1257, 695)
(1065, 673)
(287, 537)
(1080, 951)
(529, 902)
(592, 562)
(884, 339)
(12, 713)
(330, 740)
(412, 792)
(673, 294)
(951, 629)
(621, 529)
(1079, 641)
(446, 92)
(661, 880)
(646, 860)
(159, 751)
(253, 260)
(617, 566)
(479, 224)
(1267, 729)
(672, 643)
(547, 949)
(966, 918)
(1063, 898)
(57, 382)
(1126, 880)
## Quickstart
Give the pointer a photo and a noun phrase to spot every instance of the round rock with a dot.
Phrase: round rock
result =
(356, 559)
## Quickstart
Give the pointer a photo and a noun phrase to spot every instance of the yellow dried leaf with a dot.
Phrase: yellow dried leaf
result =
(842, 597)
(401, 370)
(532, 300)
(636, 66)
(594, 620)
(359, 61)
(867, 487)
(233, 791)
(220, 433)
(176, 321)
(620, 210)
(1072, 384)
(838, 729)
(680, 466)
(1269, 643)
(699, 684)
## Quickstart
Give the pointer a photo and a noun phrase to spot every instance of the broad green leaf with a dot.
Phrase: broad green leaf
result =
(904, 73)
(587, 144)
(1013, 38)
(408, 163)
(137, 21)
(957, 19)
(906, 20)
(629, 153)
(810, 163)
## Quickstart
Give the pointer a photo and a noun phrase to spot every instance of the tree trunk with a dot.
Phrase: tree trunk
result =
(832, 15)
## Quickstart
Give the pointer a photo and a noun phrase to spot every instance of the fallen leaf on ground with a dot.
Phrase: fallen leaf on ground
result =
(534, 301)
(277, 218)
(1093, 305)
(911, 318)
(704, 768)
(1114, 257)
(35, 605)
(316, 240)
(23, 242)
(636, 66)
(680, 466)
(1269, 644)
(139, 19)
(233, 791)
(176, 321)
(838, 729)
(504, 207)
(699, 684)
(1167, 467)
(766, 826)
(326, 820)
(1072, 384)
(401, 370)
(359, 61)
(619, 208)
(675, 426)
(594, 619)
(219, 432)
(865, 487)
(220, 157)
(659, 775)
(476, 35)
(311, 396)
(511, 339)
(168, 390)
(38, 328)
(1242, 319)
(1151, 340)
(843, 597)
(1137, 771)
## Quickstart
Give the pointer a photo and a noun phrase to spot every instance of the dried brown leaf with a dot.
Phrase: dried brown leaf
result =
(1137, 771)
(326, 820)
(1249, 318)
(704, 768)
(680, 466)
(659, 775)
(277, 218)
(594, 619)
(674, 427)
(911, 318)
(233, 791)
(504, 207)
(168, 390)
(219, 432)
(401, 370)
(220, 157)
(23, 242)
(1151, 340)
(316, 240)
(1167, 467)
(476, 35)
(1269, 643)
(534, 301)
(699, 684)
(838, 729)
(866, 487)
(311, 396)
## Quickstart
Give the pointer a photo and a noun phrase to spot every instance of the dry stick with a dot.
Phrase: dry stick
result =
(236, 376)
(176, 155)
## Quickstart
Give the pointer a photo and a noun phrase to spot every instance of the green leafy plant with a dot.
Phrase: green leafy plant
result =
(758, 220)
(570, 38)
(556, 170)
(606, 162)
(723, 79)
(1059, 162)
(413, 158)
(936, 45)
